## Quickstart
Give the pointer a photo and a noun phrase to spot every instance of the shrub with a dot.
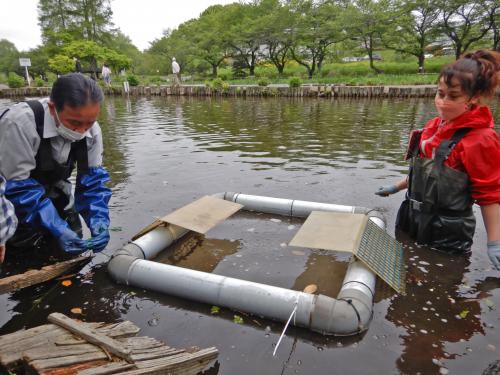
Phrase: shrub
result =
(224, 75)
(132, 80)
(263, 82)
(39, 82)
(295, 82)
(217, 84)
(15, 81)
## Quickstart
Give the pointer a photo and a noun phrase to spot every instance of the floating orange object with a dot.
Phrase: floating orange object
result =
(76, 310)
(66, 283)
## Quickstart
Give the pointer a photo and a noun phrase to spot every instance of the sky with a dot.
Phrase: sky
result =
(143, 20)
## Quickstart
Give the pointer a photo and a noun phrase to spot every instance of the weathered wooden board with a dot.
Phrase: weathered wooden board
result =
(91, 335)
(33, 277)
(54, 350)
(111, 368)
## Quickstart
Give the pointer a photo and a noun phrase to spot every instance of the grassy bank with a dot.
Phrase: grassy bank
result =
(349, 73)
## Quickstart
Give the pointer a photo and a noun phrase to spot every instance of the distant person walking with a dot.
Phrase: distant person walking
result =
(176, 70)
(78, 65)
(106, 75)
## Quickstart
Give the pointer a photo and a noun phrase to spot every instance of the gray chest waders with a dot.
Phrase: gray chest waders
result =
(437, 211)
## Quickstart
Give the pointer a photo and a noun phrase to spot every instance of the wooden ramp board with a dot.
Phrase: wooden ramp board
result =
(203, 214)
(51, 349)
(33, 277)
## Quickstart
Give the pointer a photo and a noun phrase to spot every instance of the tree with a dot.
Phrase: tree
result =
(9, 57)
(275, 25)
(39, 60)
(465, 22)
(206, 35)
(416, 26)
(61, 64)
(77, 19)
(493, 9)
(89, 52)
(367, 21)
(57, 21)
(122, 44)
(243, 34)
(172, 44)
(95, 19)
(316, 26)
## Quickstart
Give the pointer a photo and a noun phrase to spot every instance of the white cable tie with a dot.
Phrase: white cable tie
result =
(292, 315)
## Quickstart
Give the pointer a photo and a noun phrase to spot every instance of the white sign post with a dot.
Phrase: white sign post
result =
(26, 62)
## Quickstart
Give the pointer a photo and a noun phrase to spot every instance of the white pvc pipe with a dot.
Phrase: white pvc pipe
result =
(349, 314)
(287, 207)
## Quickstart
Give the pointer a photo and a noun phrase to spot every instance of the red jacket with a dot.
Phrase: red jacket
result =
(477, 154)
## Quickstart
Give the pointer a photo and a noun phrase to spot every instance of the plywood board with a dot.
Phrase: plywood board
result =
(331, 231)
(203, 214)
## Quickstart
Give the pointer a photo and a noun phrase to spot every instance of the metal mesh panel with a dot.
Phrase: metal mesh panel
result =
(383, 255)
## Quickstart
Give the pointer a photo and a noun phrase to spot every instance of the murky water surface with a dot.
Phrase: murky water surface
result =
(163, 153)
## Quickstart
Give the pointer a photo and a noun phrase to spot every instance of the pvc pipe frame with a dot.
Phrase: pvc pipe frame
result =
(348, 314)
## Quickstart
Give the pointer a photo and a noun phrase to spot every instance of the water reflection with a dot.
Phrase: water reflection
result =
(442, 307)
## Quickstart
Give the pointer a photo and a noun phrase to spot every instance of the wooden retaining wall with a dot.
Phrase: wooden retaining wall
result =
(313, 91)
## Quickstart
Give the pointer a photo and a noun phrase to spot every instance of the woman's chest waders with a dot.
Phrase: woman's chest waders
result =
(437, 211)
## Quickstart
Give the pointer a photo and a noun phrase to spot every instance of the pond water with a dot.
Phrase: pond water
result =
(163, 153)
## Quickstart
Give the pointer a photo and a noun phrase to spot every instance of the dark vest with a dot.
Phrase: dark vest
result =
(437, 211)
(48, 171)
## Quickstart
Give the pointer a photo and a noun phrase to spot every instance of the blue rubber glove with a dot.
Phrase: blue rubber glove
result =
(494, 253)
(387, 190)
(71, 243)
(100, 238)
(34, 209)
(92, 198)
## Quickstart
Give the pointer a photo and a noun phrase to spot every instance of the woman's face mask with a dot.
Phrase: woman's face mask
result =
(451, 102)
(66, 133)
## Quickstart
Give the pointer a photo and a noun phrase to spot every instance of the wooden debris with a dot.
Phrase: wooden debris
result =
(33, 277)
(91, 335)
(97, 349)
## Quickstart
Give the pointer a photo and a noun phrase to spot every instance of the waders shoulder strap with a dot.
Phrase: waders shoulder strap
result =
(44, 160)
(445, 147)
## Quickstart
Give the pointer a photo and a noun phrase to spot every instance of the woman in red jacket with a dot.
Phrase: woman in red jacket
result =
(456, 162)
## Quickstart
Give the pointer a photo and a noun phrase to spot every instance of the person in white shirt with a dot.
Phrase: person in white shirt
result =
(176, 70)
(106, 75)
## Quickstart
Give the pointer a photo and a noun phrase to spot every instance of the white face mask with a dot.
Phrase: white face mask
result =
(66, 133)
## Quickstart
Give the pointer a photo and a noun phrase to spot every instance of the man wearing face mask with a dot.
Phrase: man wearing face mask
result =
(41, 142)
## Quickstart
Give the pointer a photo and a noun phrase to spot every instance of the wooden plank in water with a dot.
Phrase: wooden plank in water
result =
(122, 329)
(10, 338)
(91, 335)
(158, 353)
(13, 352)
(185, 363)
(74, 368)
(47, 352)
(33, 277)
(111, 368)
(42, 365)
(140, 344)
